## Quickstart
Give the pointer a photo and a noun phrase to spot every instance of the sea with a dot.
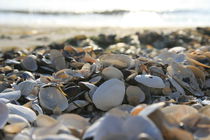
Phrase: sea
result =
(105, 13)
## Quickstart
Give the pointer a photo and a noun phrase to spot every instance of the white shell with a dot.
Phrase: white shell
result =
(51, 98)
(177, 49)
(25, 112)
(135, 95)
(13, 118)
(26, 87)
(58, 137)
(112, 72)
(150, 81)
(12, 95)
(3, 114)
(109, 94)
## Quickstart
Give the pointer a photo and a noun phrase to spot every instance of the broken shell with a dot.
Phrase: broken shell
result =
(150, 81)
(135, 95)
(11, 95)
(109, 94)
(45, 121)
(112, 72)
(25, 112)
(77, 104)
(117, 60)
(178, 112)
(52, 98)
(27, 87)
(15, 127)
(57, 59)
(29, 63)
(3, 114)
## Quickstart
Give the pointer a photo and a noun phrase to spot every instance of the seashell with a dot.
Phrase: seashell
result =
(88, 58)
(177, 49)
(197, 63)
(105, 126)
(135, 95)
(176, 85)
(26, 87)
(205, 110)
(77, 104)
(52, 98)
(57, 59)
(25, 112)
(133, 127)
(95, 80)
(3, 100)
(109, 94)
(58, 137)
(178, 112)
(12, 95)
(3, 114)
(73, 121)
(144, 136)
(45, 121)
(13, 118)
(15, 127)
(150, 81)
(116, 60)
(37, 108)
(112, 72)
(29, 63)
(156, 71)
(151, 108)
(136, 110)
(169, 57)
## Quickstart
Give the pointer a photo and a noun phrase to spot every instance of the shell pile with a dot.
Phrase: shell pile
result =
(108, 88)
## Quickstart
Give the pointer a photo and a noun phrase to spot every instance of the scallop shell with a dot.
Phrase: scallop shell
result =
(112, 72)
(12, 95)
(29, 63)
(117, 60)
(109, 94)
(150, 81)
(51, 98)
(135, 95)
(25, 112)
(3, 114)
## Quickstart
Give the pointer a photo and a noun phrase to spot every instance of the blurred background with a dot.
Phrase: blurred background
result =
(105, 13)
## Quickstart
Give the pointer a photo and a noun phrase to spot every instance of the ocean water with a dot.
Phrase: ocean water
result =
(111, 13)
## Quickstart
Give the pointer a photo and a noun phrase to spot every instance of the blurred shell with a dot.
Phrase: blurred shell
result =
(150, 81)
(52, 98)
(12, 95)
(45, 121)
(178, 112)
(58, 137)
(205, 110)
(136, 110)
(73, 121)
(117, 60)
(169, 57)
(133, 127)
(3, 114)
(112, 72)
(177, 49)
(135, 95)
(15, 127)
(176, 85)
(13, 118)
(77, 104)
(57, 59)
(109, 94)
(27, 87)
(25, 112)
(29, 63)
(95, 80)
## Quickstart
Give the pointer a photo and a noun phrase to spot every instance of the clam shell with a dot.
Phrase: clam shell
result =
(109, 94)
(178, 112)
(135, 95)
(150, 81)
(3, 114)
(29, 63)
(133, 126)
(13, 118)
(51, 98)
(25, 112)
(58, 60)
(77, 104)
(112, 72)
(117, 60)
(15, 127)
(45, 121)
(12, 95)
(26, 87)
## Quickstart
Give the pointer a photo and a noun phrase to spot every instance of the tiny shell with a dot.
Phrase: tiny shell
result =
(112, 72)
(109, 94)
(51, 98)
(3, 114)
(150, 81)
(135, 95)
(29, 63)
